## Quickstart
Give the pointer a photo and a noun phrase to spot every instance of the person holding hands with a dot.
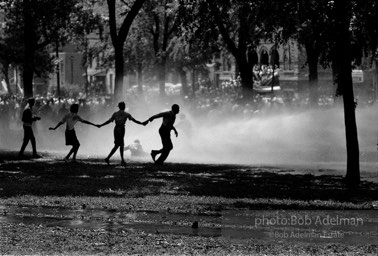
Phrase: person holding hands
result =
(120, 117)
(169, 118)
(71, 139)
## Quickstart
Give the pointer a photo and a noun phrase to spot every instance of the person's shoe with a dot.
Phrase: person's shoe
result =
(107, 161)
(153, 155)
(21, 156)
(123, 163)
(65, 160)
(36, 156)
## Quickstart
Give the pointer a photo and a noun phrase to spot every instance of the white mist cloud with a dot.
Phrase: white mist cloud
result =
(313, 138)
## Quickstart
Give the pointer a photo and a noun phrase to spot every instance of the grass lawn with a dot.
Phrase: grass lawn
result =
(51, 207)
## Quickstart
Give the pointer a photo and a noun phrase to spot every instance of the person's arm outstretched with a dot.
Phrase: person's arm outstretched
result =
(111, 119)
(87, 122)
(138, 122)
(105, 123)
(152, 118)
(54, 128)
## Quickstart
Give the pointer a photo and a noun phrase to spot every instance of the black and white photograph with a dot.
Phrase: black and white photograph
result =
(189, 127)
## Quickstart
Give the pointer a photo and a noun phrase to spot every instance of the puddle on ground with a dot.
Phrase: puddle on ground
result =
(11, 172)
(315, 226)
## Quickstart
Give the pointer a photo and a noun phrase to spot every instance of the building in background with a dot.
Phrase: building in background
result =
(289, 61)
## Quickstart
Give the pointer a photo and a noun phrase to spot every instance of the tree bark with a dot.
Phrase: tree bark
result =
(239, 52)
(118, 40)
(246, 78)
(140, 77)
(184, 82)
(29, 45)
(5, 70)
(119, 72)
(342, 59)
(313, 60)
(161, 75)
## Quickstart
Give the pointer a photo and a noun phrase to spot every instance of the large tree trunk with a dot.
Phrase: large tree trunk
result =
(246, 76)
(345, 87)
(312, 60)
(140, 77)
(161, 76)
(28, 70)
(119, 72)
(58, 70)
(194, 82)
(184, 82)
(5, 70)
(29, 45)
(118, 40)
(239, 52)
(246, 82)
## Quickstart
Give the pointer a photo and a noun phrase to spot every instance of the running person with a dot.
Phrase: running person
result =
(120, 117)
(169, 118)
(71, 140)
(27, 119)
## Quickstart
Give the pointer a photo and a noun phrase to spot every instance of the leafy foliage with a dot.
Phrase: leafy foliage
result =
(37, 24)
(365, 27)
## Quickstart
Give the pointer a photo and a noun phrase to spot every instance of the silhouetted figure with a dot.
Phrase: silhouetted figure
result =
(120, 117)
(27, 119)
(136, 149)
(169, 118)
(71, 140)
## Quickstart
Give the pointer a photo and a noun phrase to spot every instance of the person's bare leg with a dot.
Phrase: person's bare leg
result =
(114, 149)
(154, 153)
(121, 150)
(163, 157)
(69, 153)
(76, 148)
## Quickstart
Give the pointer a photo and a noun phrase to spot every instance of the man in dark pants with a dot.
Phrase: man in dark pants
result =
(169, 118)
(28, 119)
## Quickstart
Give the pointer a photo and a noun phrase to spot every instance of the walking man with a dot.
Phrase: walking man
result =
(27, 119)
(169, 118)
(120, 117)
(71, 140)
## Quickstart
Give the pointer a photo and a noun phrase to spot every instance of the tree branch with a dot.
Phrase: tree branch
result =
(215, 12)
(112, 22)
(123, 31)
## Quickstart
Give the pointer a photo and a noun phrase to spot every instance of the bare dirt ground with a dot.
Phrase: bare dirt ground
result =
(90, 208)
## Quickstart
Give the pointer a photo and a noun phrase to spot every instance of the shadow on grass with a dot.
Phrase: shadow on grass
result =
(92, 177)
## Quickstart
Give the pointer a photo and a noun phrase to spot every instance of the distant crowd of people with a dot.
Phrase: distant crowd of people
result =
(264, 75)
(208, 102)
